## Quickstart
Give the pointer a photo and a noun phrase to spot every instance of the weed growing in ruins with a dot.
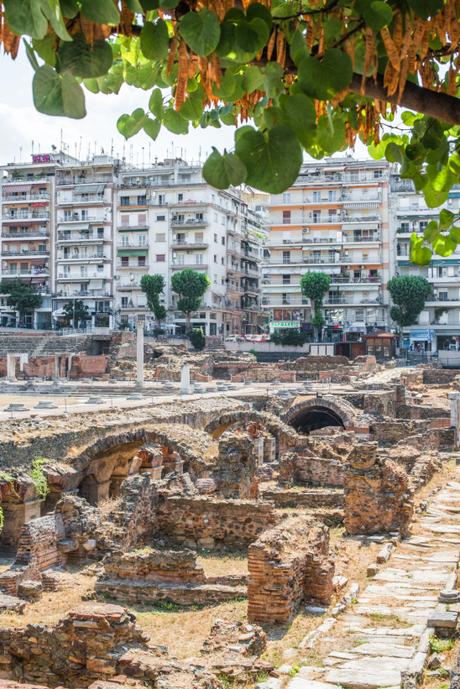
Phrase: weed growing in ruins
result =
(227, 681)
(294, 670)
(38, 477)
(440, 645)
(388, 620)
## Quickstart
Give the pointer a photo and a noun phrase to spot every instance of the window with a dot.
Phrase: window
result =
(160, 237)
(199, 259)
(222, 260)
(141, 260)
(286, 197)
(141, 219)
(124, 302)
(286, 256)
(286, 279)
(141, 239)
(161, 218)
(285, 298)
(124, 200)
(215, 258)
(141, 200)
(180, 197)
(223, 241)
(100, 268)
(160, 258)
(215, 238)
(125, 261)
(378, 174)
(316, 196)
(316, 216)
(199, 237)
(161, 199)
(286, 217)
(67, 215)
(331, 195)
(100, 233)
(125, 240)
(84, 215)
(199, 216)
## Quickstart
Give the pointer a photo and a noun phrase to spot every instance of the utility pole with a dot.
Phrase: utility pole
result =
(140, 320)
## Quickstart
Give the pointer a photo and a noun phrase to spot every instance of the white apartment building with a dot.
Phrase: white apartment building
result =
(334, 219)
(83, 239)
(88, 231)
(169, 219)
(439, 323)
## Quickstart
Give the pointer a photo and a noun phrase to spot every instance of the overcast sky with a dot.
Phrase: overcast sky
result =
(21, 124)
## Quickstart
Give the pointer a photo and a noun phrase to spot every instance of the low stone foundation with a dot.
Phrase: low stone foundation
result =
(287, 565)
(213, 523)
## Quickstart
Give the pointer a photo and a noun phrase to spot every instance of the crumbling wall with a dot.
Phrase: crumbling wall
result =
(236, 466)
(287, 565)
(212, 522)
(378, 497)
(303, 467)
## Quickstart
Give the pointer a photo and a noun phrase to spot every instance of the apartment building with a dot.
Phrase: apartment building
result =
(439, 323)
(169, 219)
(88, 231)
(83, 238)
(27, 194)
(334, 219)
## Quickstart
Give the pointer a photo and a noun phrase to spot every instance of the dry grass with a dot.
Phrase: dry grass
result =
(52, 606)
(184, 631)
(215, 564)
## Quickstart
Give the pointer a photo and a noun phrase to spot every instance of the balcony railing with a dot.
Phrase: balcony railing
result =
(25, 235)
(77, 199)
(76, 217)
(20, 253)
(83, 278)
(80, 237)
(34, 215)
(88, 257)
(189, 245)
(78, 179)
(192, 222)
(9, 198)
(83, 293)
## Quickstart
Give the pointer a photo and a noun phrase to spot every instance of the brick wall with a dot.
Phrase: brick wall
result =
(287, 565)
(211, 522)
(87, 366)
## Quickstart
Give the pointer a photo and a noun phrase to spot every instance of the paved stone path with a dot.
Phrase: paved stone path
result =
(386, 630)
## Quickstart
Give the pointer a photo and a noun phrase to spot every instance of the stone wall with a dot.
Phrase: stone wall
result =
(264, 373)
(378, 497)
(85, 366)
(305, 468)
(214, 523)
(287, 565)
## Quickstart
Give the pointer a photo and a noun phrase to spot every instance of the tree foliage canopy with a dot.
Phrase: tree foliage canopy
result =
(409, 294)
(315, 286)
(21, 297)
(190, 286)
(76, 311)
(310, 75)
(153, 286)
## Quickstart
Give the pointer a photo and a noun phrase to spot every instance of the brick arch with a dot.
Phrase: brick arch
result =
(96, 463)
(271, 423)
(338, 410)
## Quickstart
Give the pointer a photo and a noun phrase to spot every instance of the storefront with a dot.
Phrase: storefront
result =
(421, 340)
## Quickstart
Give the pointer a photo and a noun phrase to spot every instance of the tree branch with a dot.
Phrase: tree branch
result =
(417, 98)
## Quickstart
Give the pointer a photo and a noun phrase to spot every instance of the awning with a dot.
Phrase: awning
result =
(89, 188)
(132, 252)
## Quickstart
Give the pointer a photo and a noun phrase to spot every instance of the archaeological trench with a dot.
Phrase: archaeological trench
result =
(338, 498)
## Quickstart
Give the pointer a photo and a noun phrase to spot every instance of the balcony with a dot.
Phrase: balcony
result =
(30, 273)
(77, 218)
(84, 200)
(72, 277)
(32, 234)
(189, 222)
(96, 258)
(78, 237)
(22, 254)
(306, 180)
(13, 198)
(63, 180)
(189, 245)
(132, 267)
(82, 294)
(191, 264)
(33, 216)
(133, 245)
(128, 286)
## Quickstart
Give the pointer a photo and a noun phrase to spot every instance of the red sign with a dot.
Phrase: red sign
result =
(41, 158)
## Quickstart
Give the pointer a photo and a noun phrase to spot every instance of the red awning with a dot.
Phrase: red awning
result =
(18, 187)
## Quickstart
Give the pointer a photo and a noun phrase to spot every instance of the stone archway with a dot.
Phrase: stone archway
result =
(321, 412)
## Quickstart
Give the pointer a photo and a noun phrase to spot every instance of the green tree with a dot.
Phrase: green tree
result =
(197, 339)
(22, 298)
(315, 286)
(190, 286)
(153, 286)
(311, 76)
(75, 312)
(409, 294)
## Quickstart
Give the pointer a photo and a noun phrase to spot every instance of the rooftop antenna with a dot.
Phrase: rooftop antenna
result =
(33, 146)
(79, 147)
(62, 141)
(111, 148)
(150, 154)
(143, 160)
(20, 154)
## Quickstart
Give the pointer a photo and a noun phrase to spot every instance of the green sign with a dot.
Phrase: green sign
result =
(275, 325)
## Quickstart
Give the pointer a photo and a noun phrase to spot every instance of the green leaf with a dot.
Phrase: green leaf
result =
(46, 49)
(426, 8)
(58, 94)
(155, 40)
(201, 31)
(222, 171)
(135, 6)
(446, 218)
(192, 108)
(323, 79)
(454, 234)
(85, 60)
(393, 153)
(152, 128)
(253, 79)
(100, 11)
(272, 159)
(69, 8)
(273, 79)
(129, 125)
(256, 10)
(26, 17)
(299, 114)
(156, 103)
(434, 198)
(444, 245)
(431, 231)
(175, 122)
(421, 255)
(376, 14)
